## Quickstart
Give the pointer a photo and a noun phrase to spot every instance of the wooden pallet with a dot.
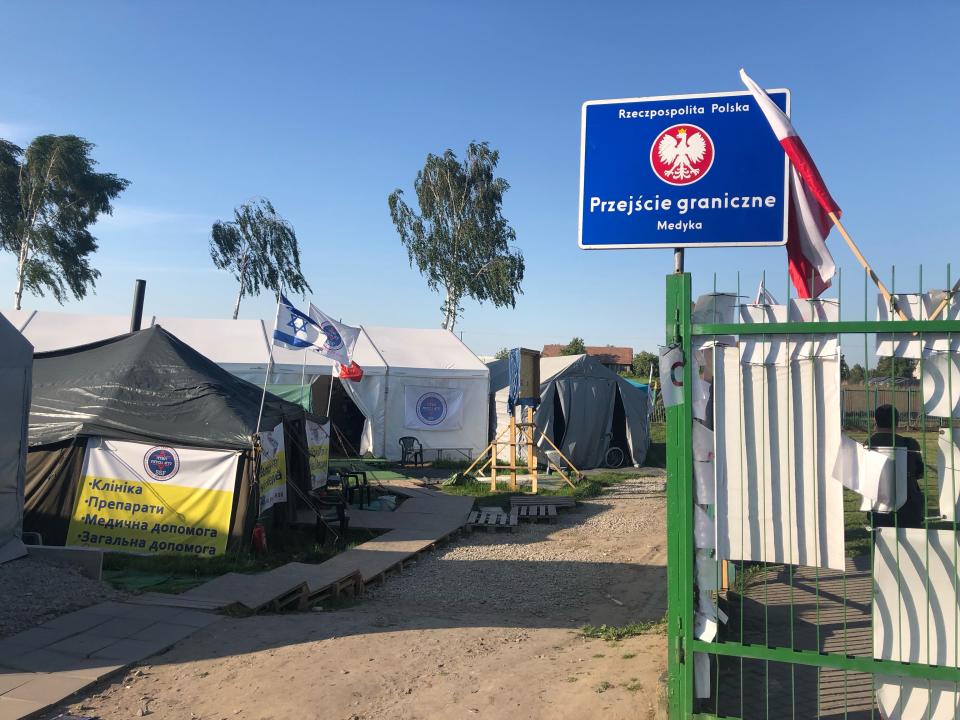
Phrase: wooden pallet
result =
(537, 513)
(492, 520)
(559, 501)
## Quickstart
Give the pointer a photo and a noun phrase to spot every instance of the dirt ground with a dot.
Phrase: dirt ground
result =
(485, 626)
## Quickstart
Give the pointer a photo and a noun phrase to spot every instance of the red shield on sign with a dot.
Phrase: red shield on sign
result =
(682, 154)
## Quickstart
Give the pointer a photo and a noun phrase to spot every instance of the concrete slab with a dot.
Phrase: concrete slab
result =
(83, 644)
(251, 591)
(38, 637)
(48, 689)
(164, 631)
(128, 650)
(121, 627)
(87, 560)
(196, 618)
(94, 668)
(75, 622)
(12, 679)
(11, 709)
(170, 600)
(43, 660)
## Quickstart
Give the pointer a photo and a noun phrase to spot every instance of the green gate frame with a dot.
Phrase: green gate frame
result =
(681, 331)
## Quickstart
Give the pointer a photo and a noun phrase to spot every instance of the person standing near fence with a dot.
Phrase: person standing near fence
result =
(912, 512)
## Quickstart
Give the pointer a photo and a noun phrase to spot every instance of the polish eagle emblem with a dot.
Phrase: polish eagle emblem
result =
(682, 154)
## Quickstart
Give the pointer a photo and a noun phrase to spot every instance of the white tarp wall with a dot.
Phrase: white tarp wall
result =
(16, 363)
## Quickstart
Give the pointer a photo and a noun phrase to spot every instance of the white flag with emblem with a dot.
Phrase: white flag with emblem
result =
(340, 338)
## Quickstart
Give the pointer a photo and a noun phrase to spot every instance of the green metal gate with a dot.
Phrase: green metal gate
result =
(796, 643)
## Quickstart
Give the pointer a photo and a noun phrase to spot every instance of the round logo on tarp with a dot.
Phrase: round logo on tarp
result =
(682, 154)
(161, 463)
(431, 408)
(334, 341)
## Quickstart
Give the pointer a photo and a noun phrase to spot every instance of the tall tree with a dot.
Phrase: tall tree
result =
(857, 375)
(894, 367)
(50, 195)
(643, 361)
(460, 240)
(260, 249)
(502, 354)
(574, 347)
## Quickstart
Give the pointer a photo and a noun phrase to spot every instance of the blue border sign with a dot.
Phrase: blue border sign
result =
(682, 171)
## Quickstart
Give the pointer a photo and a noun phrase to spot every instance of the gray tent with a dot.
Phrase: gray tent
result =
(16, 362)
(585, 409)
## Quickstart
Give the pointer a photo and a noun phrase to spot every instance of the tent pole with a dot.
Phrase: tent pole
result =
(303, 376)
(266, 376)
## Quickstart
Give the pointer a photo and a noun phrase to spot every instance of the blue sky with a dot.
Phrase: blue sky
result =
(326, 108)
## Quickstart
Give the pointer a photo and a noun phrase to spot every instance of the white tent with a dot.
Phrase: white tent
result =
(396, 360)
(392, 359)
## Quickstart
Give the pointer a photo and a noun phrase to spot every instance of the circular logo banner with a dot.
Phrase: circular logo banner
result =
(431, 408)
(161, 463)
(682, 154)
(334, 341)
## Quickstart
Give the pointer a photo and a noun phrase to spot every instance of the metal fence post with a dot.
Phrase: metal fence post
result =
(680, 506)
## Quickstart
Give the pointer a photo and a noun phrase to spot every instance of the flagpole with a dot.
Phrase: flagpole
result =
(266, 377)
(866, 266)
(330, 394)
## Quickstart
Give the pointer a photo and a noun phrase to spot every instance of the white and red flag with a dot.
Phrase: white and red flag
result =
(811, 264)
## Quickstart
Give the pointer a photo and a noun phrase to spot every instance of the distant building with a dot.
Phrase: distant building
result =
(618, 359)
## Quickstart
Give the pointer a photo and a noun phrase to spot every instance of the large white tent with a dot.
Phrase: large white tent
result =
(392, 359)
(395, 359)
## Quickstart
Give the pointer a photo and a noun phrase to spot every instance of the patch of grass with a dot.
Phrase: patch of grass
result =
(629, 656)
(572, 679)
(657, 453)
(746, 574)
(633, 686)
(599, 655)
(614, 633)
(603, 687)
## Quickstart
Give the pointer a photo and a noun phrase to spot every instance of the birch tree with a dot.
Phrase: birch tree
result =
(460, 240)
(50, 195)
(260, 249)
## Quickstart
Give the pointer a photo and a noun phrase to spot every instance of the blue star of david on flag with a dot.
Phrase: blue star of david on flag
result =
(296, 330)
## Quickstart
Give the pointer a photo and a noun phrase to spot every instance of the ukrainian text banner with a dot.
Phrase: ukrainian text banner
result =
(156, 499)
(318, 443)
(273, 468)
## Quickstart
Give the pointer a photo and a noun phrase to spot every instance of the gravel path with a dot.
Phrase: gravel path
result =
(33, 591)
(579, 559)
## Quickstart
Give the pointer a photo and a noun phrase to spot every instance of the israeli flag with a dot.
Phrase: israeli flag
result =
(296, 330)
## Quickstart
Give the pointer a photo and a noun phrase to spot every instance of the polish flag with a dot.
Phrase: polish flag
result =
(351, 372)
(811, 264)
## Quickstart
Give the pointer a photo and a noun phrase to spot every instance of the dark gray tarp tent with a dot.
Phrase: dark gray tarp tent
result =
(16, 359)
(145, 386)
(585, 409)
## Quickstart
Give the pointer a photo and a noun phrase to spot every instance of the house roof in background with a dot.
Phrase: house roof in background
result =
(608, 354)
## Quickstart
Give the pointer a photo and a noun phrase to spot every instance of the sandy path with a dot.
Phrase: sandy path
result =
(483, 627)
